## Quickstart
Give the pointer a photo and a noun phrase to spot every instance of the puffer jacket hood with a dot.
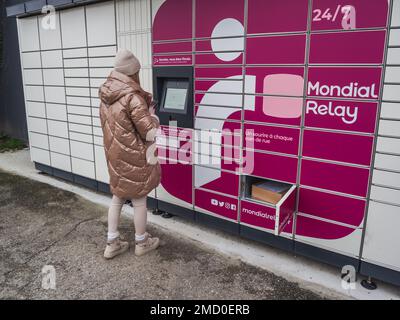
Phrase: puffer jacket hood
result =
(118, 85)
(127, 124)
(111, 91)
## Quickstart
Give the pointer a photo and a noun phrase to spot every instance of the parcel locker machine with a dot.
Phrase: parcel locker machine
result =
(238, 65)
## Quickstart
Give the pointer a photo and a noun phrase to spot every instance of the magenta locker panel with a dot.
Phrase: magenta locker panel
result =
(302, 87)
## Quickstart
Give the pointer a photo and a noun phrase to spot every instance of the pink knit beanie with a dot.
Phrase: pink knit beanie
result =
(126, 62)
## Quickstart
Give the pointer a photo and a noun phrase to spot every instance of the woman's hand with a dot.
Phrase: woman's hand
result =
(152, 107)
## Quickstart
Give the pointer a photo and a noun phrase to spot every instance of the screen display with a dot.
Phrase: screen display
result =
(175, 98)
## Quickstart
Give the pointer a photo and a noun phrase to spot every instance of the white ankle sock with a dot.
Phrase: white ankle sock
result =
(112, 236)
(140, 237)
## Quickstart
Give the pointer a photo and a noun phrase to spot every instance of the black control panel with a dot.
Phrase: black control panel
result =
(173, 89)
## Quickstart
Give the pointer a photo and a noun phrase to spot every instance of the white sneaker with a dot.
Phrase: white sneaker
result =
(115, 248)
(148, 244)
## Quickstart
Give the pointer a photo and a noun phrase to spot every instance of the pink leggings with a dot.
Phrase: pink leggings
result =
(139, 217)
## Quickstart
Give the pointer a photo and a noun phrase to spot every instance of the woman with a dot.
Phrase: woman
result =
(129, 128)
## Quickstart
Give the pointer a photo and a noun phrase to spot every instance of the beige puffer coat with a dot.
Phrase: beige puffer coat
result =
(126, 123)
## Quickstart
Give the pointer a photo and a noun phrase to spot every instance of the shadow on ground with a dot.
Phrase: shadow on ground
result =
(42, 225)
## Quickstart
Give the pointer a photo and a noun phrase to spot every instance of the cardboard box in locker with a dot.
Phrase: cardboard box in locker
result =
(269, 191)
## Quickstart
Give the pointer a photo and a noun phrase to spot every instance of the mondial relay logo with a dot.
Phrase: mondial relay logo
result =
(259, 214)
(348, 114)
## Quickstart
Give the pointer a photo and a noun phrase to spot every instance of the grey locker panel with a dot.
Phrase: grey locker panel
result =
(50, 38)
(101, 24)
(73, 27)
(29, 34)
(382, 236)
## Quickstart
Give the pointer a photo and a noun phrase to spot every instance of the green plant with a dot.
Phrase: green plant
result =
(10, 144)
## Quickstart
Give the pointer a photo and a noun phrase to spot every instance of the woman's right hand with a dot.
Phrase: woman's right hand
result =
(152, 109)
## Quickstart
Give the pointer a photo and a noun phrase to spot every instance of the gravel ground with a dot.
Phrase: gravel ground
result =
(41, 225)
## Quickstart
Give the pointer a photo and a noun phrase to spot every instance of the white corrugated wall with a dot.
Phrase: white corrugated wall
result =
(134, 33)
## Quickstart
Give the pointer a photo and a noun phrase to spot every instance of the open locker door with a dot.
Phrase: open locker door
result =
(285, 210)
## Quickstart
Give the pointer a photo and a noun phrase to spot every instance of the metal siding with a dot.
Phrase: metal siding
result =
(134, 33)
